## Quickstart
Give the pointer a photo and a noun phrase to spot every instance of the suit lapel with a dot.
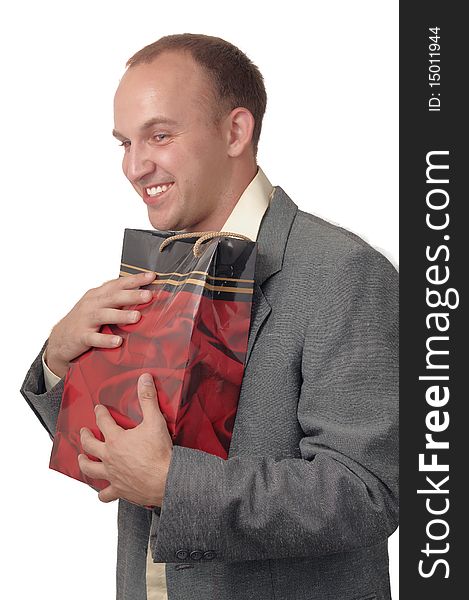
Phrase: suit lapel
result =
(271, 243)
(259, 313)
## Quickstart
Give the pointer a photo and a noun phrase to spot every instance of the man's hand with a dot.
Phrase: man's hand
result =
(79, 329)
(134, 461)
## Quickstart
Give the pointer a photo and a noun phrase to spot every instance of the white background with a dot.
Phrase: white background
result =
(329, 139)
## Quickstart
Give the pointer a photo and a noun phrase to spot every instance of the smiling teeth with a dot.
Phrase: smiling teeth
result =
(154, 191)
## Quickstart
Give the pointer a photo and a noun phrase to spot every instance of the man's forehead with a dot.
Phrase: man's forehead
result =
(151, 89)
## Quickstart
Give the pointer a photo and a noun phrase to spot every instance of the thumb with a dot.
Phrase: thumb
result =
(147, 396)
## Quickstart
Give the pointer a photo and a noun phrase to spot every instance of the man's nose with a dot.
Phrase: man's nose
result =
(138, 164)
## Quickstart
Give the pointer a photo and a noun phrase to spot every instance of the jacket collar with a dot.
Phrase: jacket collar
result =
(273, 235)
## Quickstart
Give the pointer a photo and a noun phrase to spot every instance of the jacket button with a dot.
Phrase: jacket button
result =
(196, 554)
(182, 554)
(209, 555)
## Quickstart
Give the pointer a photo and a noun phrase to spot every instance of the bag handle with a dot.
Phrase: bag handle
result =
(203, 236)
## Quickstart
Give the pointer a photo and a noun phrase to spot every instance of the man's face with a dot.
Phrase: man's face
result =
(161, 115)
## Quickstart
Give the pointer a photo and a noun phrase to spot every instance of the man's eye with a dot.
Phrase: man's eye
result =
(160, 136)
(125, 143)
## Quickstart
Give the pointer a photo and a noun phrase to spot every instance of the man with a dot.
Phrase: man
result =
(304, 504)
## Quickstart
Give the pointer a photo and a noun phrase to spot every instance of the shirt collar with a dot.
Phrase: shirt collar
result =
(246, 216)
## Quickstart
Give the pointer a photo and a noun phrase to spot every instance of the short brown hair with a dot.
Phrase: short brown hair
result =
(236, 80)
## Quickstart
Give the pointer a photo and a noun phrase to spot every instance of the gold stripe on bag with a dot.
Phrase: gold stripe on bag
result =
(184, 274)
(204, 284)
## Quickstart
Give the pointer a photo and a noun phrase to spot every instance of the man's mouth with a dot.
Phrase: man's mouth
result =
(154, 191)
(158, 189)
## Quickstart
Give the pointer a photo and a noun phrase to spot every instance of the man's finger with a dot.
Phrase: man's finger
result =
(106, 424)
(91, 468)
(91, 445)
(108, 494)
(148, 397)
(134, 281)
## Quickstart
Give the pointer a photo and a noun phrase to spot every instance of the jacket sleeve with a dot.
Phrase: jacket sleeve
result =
(45, 404)
(342, 494)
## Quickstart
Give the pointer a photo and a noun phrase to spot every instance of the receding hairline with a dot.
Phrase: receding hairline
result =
(164, 51)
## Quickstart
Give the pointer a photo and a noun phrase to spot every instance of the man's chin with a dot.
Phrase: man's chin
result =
(161, 224)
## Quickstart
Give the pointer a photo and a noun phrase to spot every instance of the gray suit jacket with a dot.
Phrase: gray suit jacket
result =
(302, 508)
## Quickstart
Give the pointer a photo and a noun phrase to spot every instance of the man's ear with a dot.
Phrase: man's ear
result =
(240, 127)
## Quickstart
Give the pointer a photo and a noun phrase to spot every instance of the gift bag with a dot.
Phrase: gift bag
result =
(192, 337)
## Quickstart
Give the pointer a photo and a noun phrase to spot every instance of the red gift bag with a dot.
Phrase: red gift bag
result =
(192, 337)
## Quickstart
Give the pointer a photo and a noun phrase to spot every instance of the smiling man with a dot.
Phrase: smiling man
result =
(304, 504)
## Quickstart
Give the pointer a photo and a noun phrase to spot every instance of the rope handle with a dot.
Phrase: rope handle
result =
(203, 236)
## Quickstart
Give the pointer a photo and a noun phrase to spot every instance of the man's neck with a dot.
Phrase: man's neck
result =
(228, 200)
